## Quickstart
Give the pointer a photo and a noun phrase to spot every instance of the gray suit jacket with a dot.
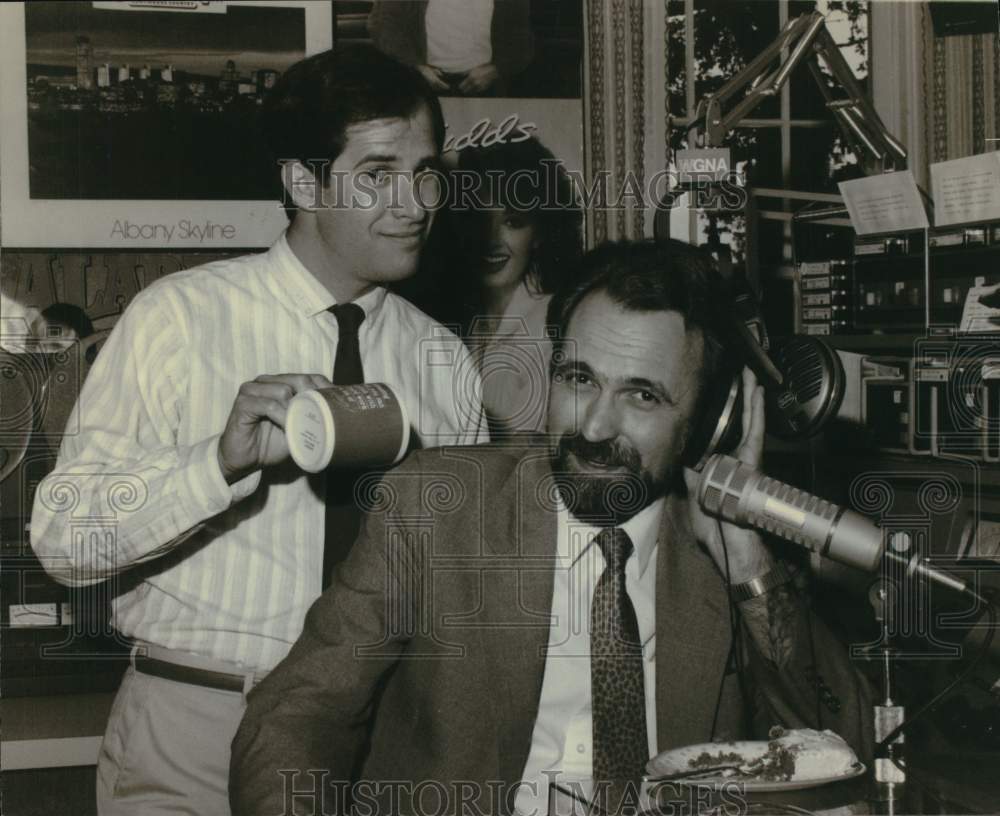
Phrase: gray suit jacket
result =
(423, 662)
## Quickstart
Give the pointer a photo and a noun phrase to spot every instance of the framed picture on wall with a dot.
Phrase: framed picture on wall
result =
(505, 71)
(511, 48)
(128, 124)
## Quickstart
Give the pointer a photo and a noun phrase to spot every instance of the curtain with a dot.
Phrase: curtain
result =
(940, 95)
(623, 113)
(962, 108)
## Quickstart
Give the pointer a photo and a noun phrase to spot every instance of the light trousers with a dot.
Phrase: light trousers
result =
(166, 749)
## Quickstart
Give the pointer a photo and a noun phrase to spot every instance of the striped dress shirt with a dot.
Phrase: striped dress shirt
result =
(137, 495)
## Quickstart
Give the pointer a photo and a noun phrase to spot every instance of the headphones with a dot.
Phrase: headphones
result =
(803, 379)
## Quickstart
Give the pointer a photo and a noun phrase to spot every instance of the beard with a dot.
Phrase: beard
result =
(610, 498)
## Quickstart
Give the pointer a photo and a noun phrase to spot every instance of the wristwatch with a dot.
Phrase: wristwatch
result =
(761, 584)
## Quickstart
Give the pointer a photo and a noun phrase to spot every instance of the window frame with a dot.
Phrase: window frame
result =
(784, 122)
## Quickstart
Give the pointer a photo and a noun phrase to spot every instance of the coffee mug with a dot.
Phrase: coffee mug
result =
(348, 426)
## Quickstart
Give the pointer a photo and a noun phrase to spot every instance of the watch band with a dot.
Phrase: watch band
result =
(761, 584)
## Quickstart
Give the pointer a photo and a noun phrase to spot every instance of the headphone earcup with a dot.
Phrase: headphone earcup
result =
(720, 427)
(812, 389)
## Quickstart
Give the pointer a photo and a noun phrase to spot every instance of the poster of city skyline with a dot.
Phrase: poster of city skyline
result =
(108, 87)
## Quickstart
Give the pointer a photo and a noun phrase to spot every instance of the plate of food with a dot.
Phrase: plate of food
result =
(791, 759)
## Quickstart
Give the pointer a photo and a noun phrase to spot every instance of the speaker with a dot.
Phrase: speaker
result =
(23, 396)
(954, 17)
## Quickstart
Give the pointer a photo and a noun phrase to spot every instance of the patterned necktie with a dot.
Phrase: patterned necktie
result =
(617, 696)
(342, 515)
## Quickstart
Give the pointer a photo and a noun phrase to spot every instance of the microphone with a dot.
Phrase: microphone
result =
(733, 491)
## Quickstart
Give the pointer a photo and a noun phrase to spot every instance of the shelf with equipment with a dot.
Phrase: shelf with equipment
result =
(891, 304)
(890, 289)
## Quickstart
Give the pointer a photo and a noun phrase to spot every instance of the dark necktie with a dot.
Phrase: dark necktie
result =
(617, 697)
(342, 515)
(347, 369)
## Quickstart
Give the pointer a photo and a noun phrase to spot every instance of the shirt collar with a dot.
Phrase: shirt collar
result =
(524, 297)
(307, 293)
(643, 530)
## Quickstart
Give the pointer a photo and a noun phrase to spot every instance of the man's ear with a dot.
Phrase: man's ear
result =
(301, 185)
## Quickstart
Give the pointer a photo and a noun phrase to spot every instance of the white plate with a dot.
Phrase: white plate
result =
(766, 785)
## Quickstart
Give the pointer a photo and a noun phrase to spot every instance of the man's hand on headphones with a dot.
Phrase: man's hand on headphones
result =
(748, 558)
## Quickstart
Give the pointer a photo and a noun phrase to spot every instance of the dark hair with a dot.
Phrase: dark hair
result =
(69, 314)
(307, 112)
(73, 316)
(538, 187)
(648, 276)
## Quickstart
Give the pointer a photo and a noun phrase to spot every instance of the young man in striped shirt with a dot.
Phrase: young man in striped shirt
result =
(179, 485)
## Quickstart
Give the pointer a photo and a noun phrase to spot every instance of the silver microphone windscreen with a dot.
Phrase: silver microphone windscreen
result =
(733, 491)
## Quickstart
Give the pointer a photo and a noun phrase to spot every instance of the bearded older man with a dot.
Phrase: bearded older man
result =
(510, 614)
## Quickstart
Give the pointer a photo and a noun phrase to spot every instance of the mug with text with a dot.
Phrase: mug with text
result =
(348, 426)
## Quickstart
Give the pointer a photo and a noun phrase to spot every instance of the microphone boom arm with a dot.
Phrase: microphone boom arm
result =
(811, 42)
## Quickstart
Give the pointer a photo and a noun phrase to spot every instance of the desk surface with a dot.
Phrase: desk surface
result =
(66, 730)
(53, 732)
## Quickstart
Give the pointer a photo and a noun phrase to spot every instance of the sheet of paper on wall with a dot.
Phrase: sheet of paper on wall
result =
(979, 316)
(885, 203)
(966, 189)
